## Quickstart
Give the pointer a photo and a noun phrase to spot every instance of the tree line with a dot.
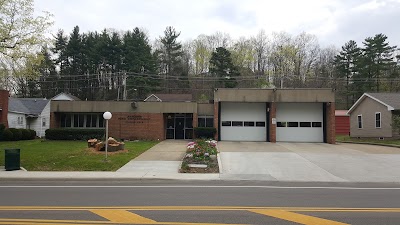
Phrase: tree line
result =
(126, 65)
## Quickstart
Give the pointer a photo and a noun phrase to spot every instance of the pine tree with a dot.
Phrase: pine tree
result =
(221, 65)
(346, 63)
(48, 79)
(170, 56)
(139, 63)
(377, 59)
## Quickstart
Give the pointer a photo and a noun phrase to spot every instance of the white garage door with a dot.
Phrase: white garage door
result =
(243, 121)
(299, 122)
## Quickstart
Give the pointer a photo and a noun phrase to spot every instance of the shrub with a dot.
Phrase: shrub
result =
(32, 134)
(74, 134)
(26, 134)
(7, 135)
(2, 127)
(17, 134)
(205, 132)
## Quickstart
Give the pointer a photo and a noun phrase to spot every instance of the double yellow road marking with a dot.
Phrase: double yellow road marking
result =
(122, 215)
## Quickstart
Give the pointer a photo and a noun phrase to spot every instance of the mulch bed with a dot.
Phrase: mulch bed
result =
(212, 166)
(94, 151)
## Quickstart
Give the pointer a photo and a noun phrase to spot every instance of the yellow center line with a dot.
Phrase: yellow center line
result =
(183, 208)
(297, 218)
(122, 216)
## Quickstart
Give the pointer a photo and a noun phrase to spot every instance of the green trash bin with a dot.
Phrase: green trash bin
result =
(12, 159)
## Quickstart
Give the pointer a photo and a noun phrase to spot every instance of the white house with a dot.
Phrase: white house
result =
(33, 113)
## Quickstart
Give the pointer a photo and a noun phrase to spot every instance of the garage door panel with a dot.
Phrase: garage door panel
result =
(243, 121)
(299, 122)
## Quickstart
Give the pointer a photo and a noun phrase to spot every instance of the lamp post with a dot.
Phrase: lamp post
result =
(107, 115)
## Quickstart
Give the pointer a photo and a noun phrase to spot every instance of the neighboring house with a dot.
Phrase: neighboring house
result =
(342, 122)
(169, 98)
(33, 113)
(371, 115)
(29, 113)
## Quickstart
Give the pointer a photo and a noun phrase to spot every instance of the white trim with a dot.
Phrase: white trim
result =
(380, 119)
(158, 99)
(358, 124)
(390, 108)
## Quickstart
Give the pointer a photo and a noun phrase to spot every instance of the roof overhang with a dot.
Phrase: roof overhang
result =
(365, 95)
(153, 95)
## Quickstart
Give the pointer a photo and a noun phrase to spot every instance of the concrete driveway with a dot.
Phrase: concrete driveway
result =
(307, 162)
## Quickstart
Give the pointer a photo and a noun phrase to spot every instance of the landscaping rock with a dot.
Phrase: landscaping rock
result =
(197, 165)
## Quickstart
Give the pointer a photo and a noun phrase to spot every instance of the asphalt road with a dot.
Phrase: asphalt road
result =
(208, 202)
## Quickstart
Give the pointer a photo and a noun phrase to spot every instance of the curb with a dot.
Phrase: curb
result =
(369, 143)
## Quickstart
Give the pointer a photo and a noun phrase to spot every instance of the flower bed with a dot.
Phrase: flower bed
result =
(200, 157)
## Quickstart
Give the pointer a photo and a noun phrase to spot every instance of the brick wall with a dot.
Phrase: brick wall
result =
(272, 127)
(54, 120)
(133, 126)
(216, 120)
(330, 123)
(4, 106)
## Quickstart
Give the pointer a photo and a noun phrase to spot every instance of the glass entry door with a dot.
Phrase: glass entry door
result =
(179, 126)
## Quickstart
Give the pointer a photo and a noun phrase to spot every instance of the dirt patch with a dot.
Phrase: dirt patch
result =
(94, 151)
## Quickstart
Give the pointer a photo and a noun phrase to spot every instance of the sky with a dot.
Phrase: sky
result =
(334, 22)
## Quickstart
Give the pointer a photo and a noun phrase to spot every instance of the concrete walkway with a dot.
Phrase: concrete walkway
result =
(165, 157)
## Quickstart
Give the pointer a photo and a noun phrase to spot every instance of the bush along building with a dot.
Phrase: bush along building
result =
(287, 115)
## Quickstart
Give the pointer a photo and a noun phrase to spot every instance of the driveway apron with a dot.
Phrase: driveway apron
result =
(315, 162)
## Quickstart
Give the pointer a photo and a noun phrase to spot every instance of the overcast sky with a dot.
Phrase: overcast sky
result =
(334, 22)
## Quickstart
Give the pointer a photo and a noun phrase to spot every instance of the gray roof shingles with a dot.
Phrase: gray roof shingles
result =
(31, 106)
(392, 99)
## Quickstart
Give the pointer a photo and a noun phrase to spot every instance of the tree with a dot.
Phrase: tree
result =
(346, 65)
(171, 60)
(21, 34)
(378, 58)
(221, 66)
(139, 63)
(170, 52)
(48, 80)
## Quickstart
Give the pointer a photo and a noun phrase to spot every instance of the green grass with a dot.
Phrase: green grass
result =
(368, 140)
(38, 155)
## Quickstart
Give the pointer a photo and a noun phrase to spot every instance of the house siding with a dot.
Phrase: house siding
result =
(12, 118)
(367, 108)
(36, 123)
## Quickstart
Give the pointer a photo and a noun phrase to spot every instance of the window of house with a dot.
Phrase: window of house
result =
(43, 122)
(20, 120)
(378, 120)
(359, 121)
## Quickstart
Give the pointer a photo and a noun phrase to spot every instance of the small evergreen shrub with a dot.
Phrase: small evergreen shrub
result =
(17, 134)
(32, 134)
(2, 128)
(26, 134)
(74, 134)
(205, 132)
(7, 135)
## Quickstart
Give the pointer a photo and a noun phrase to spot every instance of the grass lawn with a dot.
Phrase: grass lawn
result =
(369, 140)
(38, 155)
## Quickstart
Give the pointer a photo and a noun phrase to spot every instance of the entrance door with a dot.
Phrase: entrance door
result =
(179, 128)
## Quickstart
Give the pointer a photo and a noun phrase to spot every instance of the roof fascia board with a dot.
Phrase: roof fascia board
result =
(390, 108)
